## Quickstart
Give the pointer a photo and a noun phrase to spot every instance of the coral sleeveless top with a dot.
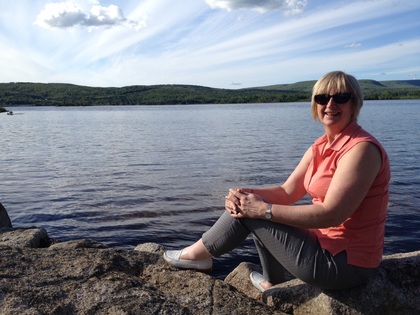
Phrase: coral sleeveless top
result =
(362, 234)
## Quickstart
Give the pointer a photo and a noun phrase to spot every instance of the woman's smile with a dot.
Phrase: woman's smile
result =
(332, 113)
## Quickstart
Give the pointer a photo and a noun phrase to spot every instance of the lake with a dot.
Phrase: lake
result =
(125, 175)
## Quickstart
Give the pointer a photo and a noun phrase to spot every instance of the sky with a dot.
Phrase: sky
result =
(216, 43)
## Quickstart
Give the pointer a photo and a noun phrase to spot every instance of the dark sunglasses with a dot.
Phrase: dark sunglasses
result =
(339, 98)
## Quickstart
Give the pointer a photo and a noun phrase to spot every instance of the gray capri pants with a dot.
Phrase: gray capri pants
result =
(282, 247)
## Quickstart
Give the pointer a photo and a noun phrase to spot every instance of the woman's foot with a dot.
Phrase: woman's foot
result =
(194, 257)
(259, 281)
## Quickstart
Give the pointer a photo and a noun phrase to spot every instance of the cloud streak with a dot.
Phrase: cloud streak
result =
(68, 14)
(290, 7)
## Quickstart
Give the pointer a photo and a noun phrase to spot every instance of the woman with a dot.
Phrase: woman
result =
(335, 242)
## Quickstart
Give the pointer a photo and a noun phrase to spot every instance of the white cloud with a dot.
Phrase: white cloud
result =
(69, 14)
(290, 7)
(60, 15)
(353, 45)
(105, 16)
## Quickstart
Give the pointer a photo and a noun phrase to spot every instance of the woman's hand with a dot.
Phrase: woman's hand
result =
(231, 203)
(243, 204)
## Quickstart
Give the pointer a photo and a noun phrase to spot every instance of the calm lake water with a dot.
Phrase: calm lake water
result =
(124, 175)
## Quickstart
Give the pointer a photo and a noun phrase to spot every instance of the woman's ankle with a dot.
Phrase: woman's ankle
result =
(266, 285)
(196, 251)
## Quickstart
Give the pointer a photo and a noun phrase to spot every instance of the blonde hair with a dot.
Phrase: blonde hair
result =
(338, 82)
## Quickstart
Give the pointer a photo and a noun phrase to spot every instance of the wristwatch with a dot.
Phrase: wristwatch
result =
(268, 212)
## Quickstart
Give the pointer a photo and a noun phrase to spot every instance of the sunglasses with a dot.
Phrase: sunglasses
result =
(339, 98)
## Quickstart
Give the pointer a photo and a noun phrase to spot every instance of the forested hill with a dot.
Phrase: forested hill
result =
(57, 94)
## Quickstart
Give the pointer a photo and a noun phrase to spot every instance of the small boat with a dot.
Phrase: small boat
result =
(9, 112)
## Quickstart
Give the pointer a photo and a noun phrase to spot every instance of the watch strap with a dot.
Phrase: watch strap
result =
(268, 212)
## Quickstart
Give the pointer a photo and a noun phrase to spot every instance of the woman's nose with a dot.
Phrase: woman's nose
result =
(331, 103)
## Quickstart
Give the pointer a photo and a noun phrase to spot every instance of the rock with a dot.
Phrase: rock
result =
(152, 248)
(70, 279)
(87, 277)
(4, 218)
(239, 278)
(394, 289)
(33, 238)
(198, 293)
(77, 244)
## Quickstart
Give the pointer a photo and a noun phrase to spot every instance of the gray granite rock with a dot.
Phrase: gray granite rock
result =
(32, 237)
(41, 276)
(68, 278)
(395, 289)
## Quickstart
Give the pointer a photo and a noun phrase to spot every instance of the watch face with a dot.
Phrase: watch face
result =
(268, 216)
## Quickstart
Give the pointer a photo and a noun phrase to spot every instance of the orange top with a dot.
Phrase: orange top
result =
(362, 234)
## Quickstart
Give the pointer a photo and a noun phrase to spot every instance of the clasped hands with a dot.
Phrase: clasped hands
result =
(242, 203)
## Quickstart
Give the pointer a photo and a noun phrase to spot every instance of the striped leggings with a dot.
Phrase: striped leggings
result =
(281, 247)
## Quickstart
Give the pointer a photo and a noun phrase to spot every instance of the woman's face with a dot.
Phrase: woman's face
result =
(335, 116)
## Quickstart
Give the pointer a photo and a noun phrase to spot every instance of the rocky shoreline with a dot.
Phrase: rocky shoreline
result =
(42, 276)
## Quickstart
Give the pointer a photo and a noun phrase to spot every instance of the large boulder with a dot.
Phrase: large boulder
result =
(42, 276)
(69, 278)
(395, 289)
(32, 237)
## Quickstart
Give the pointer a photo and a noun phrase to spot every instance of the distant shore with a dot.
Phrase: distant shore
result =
(58, 94)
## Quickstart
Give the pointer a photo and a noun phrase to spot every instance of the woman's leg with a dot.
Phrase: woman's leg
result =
(225, 235)
(298, 251)
(284, 247)
(273, 271)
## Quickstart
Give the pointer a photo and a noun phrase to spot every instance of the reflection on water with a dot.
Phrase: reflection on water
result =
(133, 174)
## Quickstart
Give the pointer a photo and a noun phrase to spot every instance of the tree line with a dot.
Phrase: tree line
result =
(57, 94)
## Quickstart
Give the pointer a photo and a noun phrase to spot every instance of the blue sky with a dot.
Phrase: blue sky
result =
(215, 43)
